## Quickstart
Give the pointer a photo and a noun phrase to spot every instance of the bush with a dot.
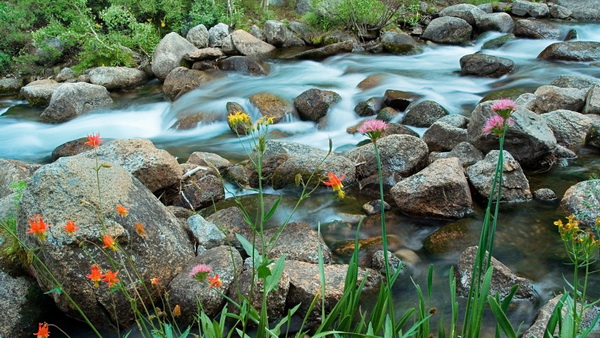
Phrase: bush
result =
(359, 15)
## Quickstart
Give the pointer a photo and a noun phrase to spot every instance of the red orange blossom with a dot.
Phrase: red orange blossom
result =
(94, 140)
(43, 331)
(336, 183)
(96, 274)
(37, 226)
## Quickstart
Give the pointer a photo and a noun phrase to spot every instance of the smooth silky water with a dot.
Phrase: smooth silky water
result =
(526, 241)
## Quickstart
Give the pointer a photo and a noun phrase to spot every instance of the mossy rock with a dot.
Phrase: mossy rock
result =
(498, 42)
(510, 93)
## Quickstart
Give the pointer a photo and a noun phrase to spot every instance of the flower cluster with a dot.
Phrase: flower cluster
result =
(373, 128)
(200, 273)
(498, 123)
(43, 331)
(580, 243)
(241, 122)
(94, 140)
(336, 183)
(38, 227)
(96, 275)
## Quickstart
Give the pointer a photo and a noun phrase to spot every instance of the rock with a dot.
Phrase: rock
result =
(378, 262)
(338, 36)
(200, 190)
(49, 51)
(401, 155)
(217, 34)
(38, 93)
(501, 22)
(515, 186)
(117, 77)
(530, 141)
(154, 167)
(188, 292)
(374, 207)
(455, 120)
(538, 328)
(228, 48)
(559, 12)
(533, 29)
(570, 128)
(271, 105)
(198, 36)
(572, 51)
(467, 12)
(528, 8)
(451, 238)
(9, 85)
(276, 32)
(448, 30)
(205, 233)
(575, 81)
(284, 176)
(550, 98)
(231, 221)
(313, 104)
(14, 171)
(466, 153)
(66, 74)
(257, 32)
(544, 194)
(73, 99)
(182, 80)
(498, 42)
(303, 6)
(389, 114)
(249, 45)
(485, 65)
(502, 278)
(326, 51)
(203, 54)
(298, 241)
(593, 136)
(584, 10)
(210, 160)
(244, 65)
(581, 199)
(398, 99)
(439, 191)
(370, 82)
(399, 43)
(443, 136)
(190, 121)
(301, 30)
(169, 53)
(56, 191)
(369, 107)
(592, 102)
(424, 113)
(21, 305)
(70, 148)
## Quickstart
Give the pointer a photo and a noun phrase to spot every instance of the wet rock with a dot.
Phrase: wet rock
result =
(187, 292)
(197, 191)
(203, 54)
(544, 194)
(14, 171)
(550, 98)
(389, 114)
(73, 99)
(371, 82)
(38, 93)
(369, 107)
(398, 99)
(575, 81)
(466, 153)
(217, 35)
(313, 104)
(592, 102)
(21, 305)
(502, 278)
(559, 12)
(191, 121)
(205, 233)
(55, 191)
(249, 45)
(498, 42)
(571, 51)
(198, 36)
(378, 262)
(581, 199)
(570, 128)
(70, 148)
(271, 105)
(244, 65)
(326, 51)
(374, 207)
(9, 85)
(467, 12)
(584, 10)
(448, 30)
(515, 186)
(399, 43)
(530, 141)
(210, 160)
(500, 22)
(538, 328)
(298, 241)
(424, 113)
(182, 80)
(117, 77)
(154, 167)
(231, 221)
(443, 136)
(528, 8)
(440, 190)
(593, 136)
(533, 29)
(169, 53)
(485, 65)
(451, 237)
(286, 174)
(401, 156)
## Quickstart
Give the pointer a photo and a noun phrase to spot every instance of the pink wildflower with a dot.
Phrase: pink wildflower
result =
(200, 272)
(504, 107)
(372, 128)
(495, 125)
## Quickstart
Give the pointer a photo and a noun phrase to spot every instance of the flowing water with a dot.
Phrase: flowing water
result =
(527, 240)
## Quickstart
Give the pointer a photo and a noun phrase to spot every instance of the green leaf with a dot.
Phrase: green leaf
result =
(249, 248)
(501, 318)
(57, 289)
(272, 210)
(263, 271)
(272, 281)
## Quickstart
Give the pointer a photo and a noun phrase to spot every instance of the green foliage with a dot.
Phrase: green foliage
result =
(358, 15)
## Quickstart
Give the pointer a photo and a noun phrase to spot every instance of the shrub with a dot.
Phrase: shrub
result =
(359, 15)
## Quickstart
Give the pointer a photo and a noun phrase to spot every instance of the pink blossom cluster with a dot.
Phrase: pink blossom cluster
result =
(373, 128)
(500, 121)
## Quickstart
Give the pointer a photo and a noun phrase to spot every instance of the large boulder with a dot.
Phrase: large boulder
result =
(530, 141)
(501, 22)
(313, 104)
(423, 113)
(534, 29)
(198, 36)
(399, 43)
(448, 30)
(528, 8)
(440, 190)
(182, 80)
(485, 65)
(585, 10)
(38, 93)
(73, 99)
(68, 189)
(271, 105)
(559, 12)
(550, 98)
(14, 171)
(168, 54)
(515, 186)
(570, 128)
(20, 305)
(469, 13)
(581, 199)
(117, 77)
(309, 163)
(572, 51)
(248, 45)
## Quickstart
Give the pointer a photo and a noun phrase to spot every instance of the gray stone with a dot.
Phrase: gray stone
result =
(285, 175)
(528, 8)
(205, 233)
(592, 102)
(298, 241)
(303, 6)
(544, 194)
(572, 51)
(9, 85)
(550, 98)
(276, 32)
(467, 12)
(301, 30)
(271, 105)
(501, 22)
(515, 186)
(14, 171)
(570, 128)
(38, 93)
(199, 189)
(498, 42)
(169, 53)
(313, 104)
(249, 45)
(231, 221)
(374, 207)
(442, 136)
(117, 77)
(378, 262)
(65, 74)
(466, 153)
(593, 136)
(20, 303)
(448, 30)
(216, 34)
(533, 29)
(538, 328)
(369, 107)
(73, 99)
(485, 65)
(581, 200)
(203, 54)
(559, 12)
(257, 32)
(244, 64)
(575, 81)
(399, 43)
(210, 160)
(326, 51)
(182, 80)
(584, 10)
(198, 36)
(399, 100)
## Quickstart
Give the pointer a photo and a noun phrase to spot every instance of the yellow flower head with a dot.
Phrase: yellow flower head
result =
(239, 118)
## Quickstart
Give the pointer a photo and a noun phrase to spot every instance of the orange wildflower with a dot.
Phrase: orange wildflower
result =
(94, 140)
(109, 242)
(155, 281)
(110, 278)
(37, 226)
(70, 227)
(214, 282)
(140, 228)
(177, 311)
(336, 183)
(123, 212)
(43, 331)
(96, 274)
